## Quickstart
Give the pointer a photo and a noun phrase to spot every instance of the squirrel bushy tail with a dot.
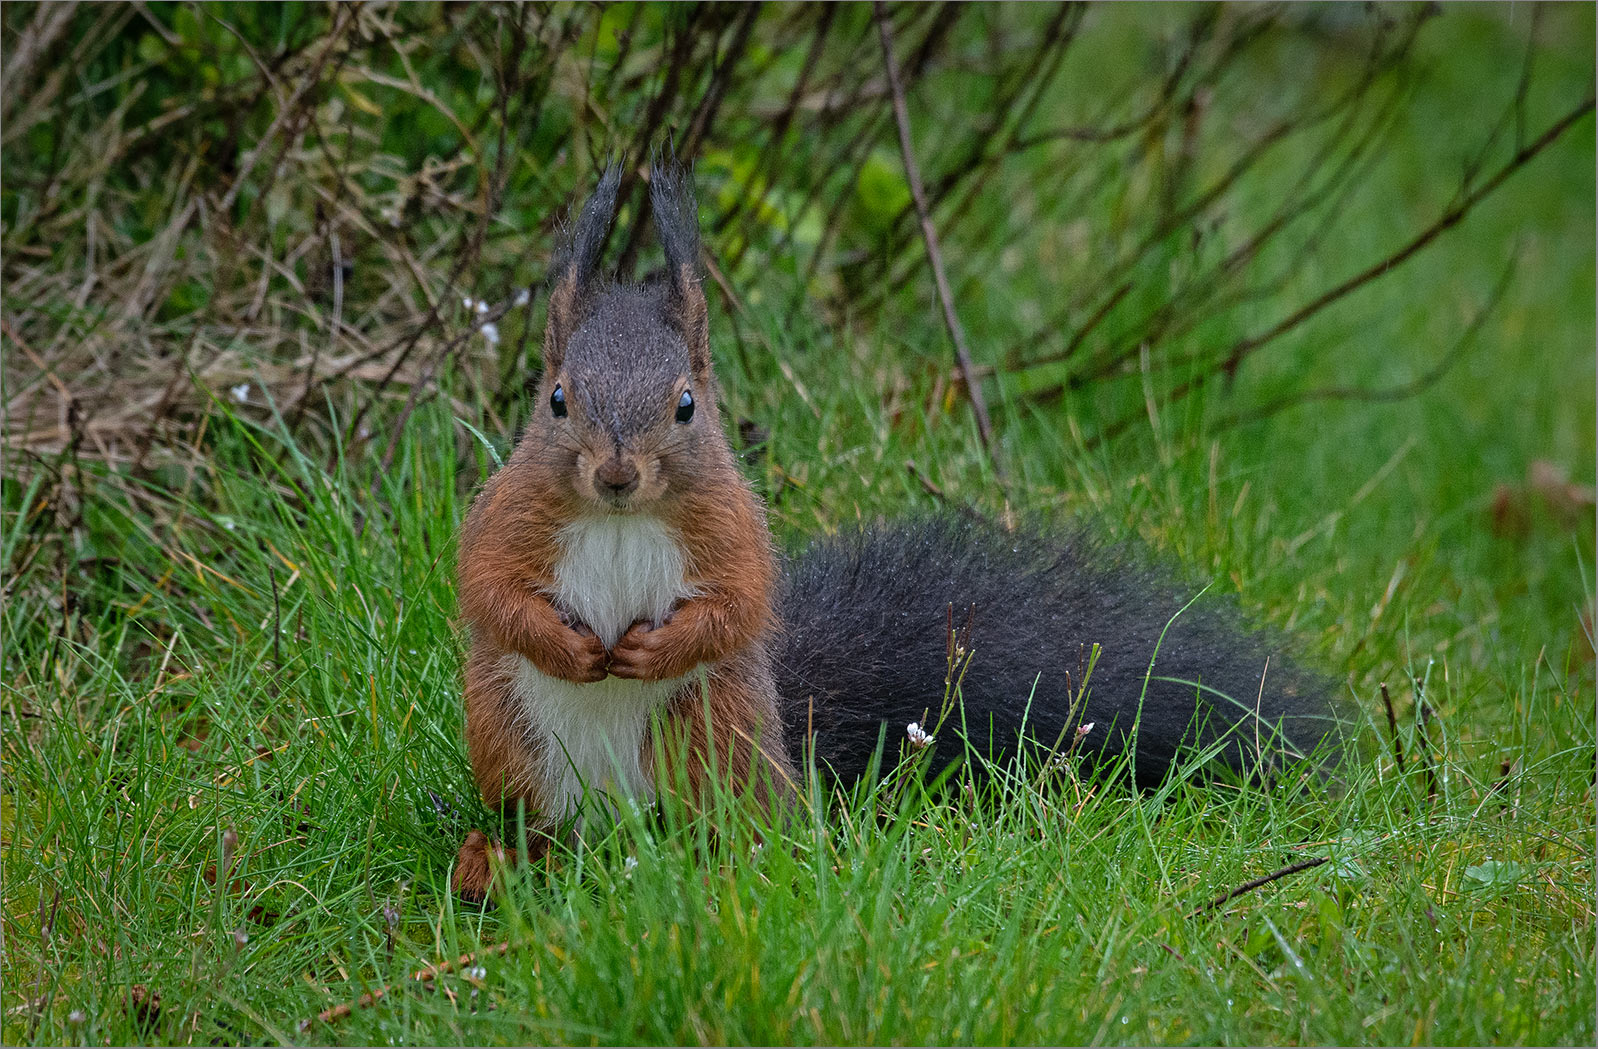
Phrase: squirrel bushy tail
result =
(865, 649)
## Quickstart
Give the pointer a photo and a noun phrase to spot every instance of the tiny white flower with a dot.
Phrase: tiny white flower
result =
(481, 306)
(467, 301)
(523, 297)
(241, 392)
(491, 334)
(920, 739)
(629, 865)
(1083, 730)
(475, 972)
(76, 1016)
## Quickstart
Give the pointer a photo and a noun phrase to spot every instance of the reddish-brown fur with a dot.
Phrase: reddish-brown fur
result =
(734, 733)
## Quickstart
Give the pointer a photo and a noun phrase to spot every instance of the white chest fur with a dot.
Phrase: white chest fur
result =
(617, 569)
(614, 570)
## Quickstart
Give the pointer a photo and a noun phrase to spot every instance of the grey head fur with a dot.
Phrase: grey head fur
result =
(626, 358)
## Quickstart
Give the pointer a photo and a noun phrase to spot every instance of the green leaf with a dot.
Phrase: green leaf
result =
(1494, 876)
(882, 190)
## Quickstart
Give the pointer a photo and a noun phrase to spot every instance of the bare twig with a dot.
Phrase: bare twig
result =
(421, 976)
(1450, 217)
(925, 481)
(277, 618)
(1250, 886)
(1392, 727)
(1177, 312)
(1446, 221)
(49, 22)
(649, 129)
(705, 114)
(1403, 391)
(1021, 83)
(901, 115)
(774, 154)
(1423, 714)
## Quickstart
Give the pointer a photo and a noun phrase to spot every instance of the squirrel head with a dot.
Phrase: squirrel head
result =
(626, 408)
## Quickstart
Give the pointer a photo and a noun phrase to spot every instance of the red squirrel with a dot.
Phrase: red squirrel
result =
(620, 583)
(618, 561)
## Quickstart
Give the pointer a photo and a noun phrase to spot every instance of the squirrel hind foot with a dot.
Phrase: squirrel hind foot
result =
(481, 860)
(477, 866)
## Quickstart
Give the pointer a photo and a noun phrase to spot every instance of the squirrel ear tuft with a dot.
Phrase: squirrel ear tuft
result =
(671, 198)
(573, 269)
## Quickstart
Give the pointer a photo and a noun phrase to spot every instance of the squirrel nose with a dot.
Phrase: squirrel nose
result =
(616, 477)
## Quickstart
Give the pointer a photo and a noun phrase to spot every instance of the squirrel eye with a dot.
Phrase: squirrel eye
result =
(685, 406)
(557, 402)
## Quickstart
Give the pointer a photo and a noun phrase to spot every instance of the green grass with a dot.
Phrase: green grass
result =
(251, 666)
(1053, 916)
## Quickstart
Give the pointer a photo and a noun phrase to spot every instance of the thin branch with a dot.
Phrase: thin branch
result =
(1250, 886)
(926, 482)
(682, 49)
(277, 618)
(774, 153)
(1423, 714)
(721, 75)
(901, 115)
(1348, 104)
(421, 976)
(1403, 391)
(990, 147)
(1392, 727)
(1446, 221)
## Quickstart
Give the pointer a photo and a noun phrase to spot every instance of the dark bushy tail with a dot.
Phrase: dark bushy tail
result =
(866, 650)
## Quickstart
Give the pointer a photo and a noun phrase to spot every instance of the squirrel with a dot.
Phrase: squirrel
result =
(624, 599)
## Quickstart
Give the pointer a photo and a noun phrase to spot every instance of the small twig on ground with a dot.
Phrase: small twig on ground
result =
(926, 482)
(1250, 886)
(420, 976)
(277, 618)
(918, 193)
(932, 489)
(1425, 714)
(1392, 726)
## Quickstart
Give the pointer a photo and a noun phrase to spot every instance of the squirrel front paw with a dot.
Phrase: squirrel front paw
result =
(578, 656)
(647, 653)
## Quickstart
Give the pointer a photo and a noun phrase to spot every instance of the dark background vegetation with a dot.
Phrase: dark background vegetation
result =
(1299, 295)
(303, 195)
